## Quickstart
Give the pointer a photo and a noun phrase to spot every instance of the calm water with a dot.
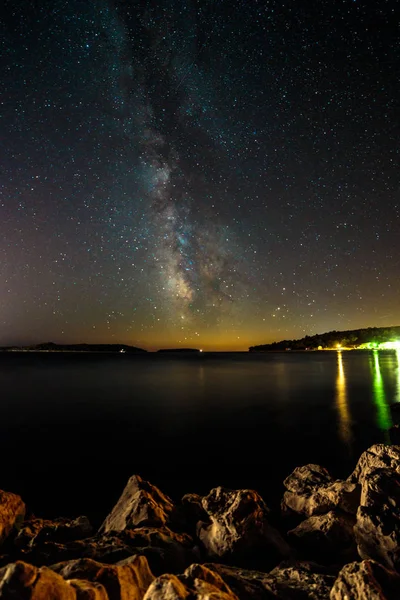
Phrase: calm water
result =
(73, 427)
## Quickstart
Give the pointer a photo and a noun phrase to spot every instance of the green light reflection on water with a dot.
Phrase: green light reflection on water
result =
(397, 398)
(383, 418)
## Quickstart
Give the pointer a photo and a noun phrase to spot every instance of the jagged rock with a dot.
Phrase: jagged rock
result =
(378, 456)
(12, 513)
(341, 495)
(291, 580)
(127, 580)
(21, 581)
(307, 478)
(366, 580)
(377, 531)
(87, 590)
(141, 504)
(300, 486)
(310, 490)
(329, 536)
(167, 587)
(58, 530)
(198, 582)
(238, 526)
(201, 573)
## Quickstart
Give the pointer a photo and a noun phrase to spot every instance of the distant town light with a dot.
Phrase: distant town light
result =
(390, 345)
(394, 345)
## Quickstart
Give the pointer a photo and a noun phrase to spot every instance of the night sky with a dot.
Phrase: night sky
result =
(210, 174)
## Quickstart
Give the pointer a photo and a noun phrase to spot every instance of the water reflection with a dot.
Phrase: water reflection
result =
(383, 418)
(397, 396)
(342, 404)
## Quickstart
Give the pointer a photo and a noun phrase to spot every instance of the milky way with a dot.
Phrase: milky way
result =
(196, 274)
(217, 174)
(196, 270)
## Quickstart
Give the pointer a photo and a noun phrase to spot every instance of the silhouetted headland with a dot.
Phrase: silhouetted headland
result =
(354, 339)
(51, 347)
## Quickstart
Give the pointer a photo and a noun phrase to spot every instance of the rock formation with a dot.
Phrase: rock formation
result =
(12, 512)
(366, 580)
(141, 503)
(238, 526)
(310, 490)
(226, 545)
(378, 456)
(378, 518)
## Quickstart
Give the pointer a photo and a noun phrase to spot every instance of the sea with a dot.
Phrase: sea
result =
(75, 426)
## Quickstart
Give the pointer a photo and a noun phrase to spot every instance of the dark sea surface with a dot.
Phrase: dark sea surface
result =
(74, 427)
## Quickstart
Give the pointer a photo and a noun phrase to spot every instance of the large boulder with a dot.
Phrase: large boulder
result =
(21, 581)
(366, 580)
(378, 456)
(12, 513)
(141, 504)
(127, 580)
(310, 490)
(198, 582)
(328, 537)
(238, 526)
(377, 530)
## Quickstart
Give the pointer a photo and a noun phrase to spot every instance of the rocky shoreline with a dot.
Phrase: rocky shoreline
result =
(333, 539)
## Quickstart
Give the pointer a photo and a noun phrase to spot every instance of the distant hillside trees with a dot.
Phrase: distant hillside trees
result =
(332, 339)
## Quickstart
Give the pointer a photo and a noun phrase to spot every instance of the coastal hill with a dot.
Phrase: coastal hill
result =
(51, 347)
(346, 339)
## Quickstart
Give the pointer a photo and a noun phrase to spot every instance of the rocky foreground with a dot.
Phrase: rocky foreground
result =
(337, 540)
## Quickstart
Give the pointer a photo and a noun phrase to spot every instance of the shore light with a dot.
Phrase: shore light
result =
(390, 345)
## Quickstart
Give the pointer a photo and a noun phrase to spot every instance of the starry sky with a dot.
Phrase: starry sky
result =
(210, 174)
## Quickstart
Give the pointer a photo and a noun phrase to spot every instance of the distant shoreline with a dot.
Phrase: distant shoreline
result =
(370, 338)
(198, 354)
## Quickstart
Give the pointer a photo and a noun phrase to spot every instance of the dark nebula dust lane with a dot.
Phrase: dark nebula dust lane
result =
(217, 174)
